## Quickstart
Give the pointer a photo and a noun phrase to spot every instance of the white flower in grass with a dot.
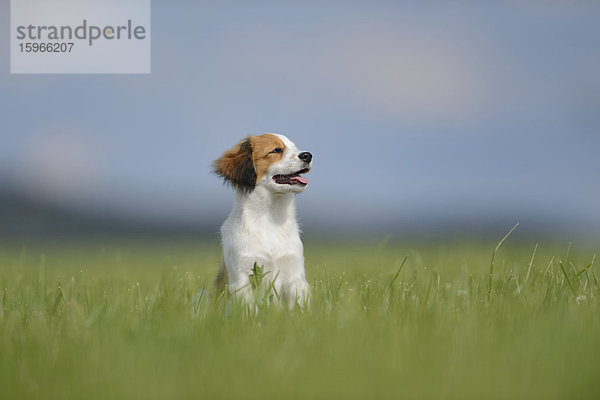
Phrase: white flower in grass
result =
(581, 299)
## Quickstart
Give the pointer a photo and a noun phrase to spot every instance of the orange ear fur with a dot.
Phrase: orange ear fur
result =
(236, 166)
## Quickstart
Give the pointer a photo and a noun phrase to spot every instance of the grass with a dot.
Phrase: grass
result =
(386, 321)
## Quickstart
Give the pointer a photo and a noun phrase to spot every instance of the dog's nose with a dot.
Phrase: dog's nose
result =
(305, 156)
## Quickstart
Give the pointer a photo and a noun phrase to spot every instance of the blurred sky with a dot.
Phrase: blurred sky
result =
(416, 113)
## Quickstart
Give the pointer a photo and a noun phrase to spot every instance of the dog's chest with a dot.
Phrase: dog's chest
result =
(273, 240)
(263, 240)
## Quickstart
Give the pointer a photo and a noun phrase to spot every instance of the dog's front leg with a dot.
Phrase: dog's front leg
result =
(294, 288)
(239, 270)
(240, 288)
(296, 291)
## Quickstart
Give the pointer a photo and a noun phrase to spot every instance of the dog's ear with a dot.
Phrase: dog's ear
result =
(236, 166)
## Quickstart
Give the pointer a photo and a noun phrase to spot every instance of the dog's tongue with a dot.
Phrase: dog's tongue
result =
(300, 179)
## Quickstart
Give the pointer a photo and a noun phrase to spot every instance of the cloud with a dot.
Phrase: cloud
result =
(406, 77)
(59, 165)
(415, 73)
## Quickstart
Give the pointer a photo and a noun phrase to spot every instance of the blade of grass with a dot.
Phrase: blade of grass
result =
(549, 266)
(596, 279)
(397, 273)
(530, 265)
(566, 259)
(339, 288)
(586, 267)
(491, 276)
(562, 268)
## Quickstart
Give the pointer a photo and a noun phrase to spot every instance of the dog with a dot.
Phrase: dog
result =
(262, 229)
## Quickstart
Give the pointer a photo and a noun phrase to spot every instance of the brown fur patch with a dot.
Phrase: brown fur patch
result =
(248, 161)
(236, 166)
(262, 147)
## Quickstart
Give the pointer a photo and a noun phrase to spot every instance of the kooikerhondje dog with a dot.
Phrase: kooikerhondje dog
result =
(265, 172)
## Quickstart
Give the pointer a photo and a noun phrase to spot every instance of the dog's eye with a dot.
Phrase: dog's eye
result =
(277, 150)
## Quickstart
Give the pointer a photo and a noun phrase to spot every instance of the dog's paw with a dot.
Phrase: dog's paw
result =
(296, 292)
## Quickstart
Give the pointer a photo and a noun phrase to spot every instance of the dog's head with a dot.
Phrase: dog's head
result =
(268, 160)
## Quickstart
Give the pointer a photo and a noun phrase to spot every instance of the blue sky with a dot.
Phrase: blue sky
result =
(415, 113)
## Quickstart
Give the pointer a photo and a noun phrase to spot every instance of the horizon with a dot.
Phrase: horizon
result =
(416, 115)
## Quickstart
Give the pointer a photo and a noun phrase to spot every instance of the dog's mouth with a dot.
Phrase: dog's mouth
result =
(292, 179)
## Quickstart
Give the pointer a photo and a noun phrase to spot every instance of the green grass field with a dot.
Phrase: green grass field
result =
(122, 320)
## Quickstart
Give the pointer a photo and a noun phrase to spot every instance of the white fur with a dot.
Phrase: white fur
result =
(262, 229)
